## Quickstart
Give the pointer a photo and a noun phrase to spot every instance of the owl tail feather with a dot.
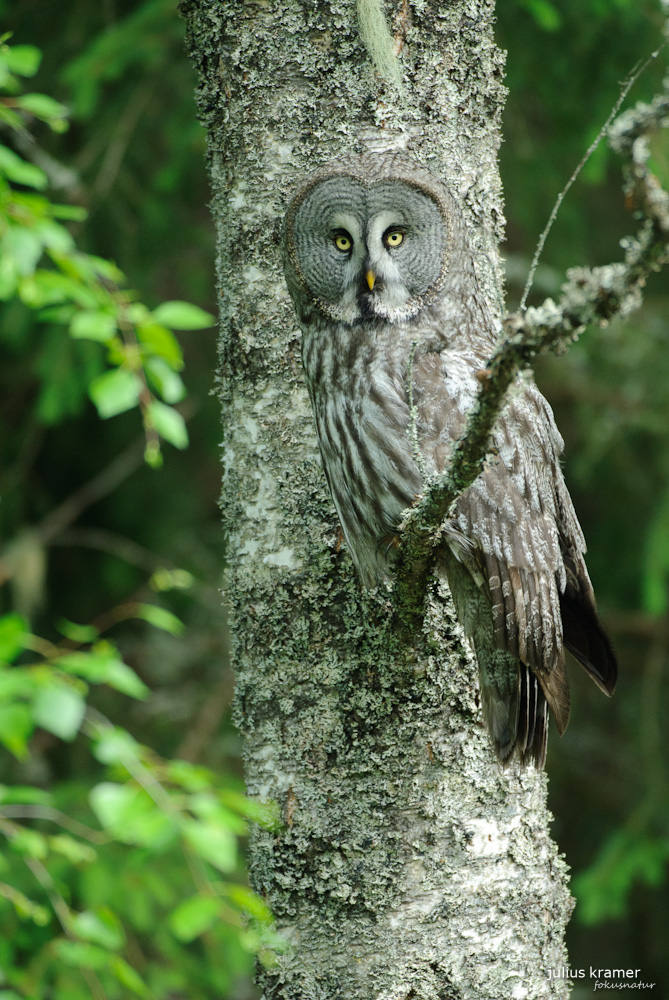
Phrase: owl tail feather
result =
(532, 727)
(587, 641)
(517, 722)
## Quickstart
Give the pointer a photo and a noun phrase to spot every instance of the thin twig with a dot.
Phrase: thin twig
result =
(48, 813)
(208, 720)
(101, 485)
(627, 86)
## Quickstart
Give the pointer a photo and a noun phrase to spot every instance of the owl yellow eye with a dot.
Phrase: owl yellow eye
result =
(343, 242)
(393, 238)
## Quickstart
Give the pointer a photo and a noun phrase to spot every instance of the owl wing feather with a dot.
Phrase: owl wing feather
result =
(529, 551)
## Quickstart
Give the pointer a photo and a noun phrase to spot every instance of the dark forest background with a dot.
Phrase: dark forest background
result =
(121, 871)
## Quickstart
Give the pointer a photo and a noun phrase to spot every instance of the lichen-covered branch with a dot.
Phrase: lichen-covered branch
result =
(591, 295)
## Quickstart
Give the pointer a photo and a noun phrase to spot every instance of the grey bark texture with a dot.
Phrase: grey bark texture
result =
(408, 863)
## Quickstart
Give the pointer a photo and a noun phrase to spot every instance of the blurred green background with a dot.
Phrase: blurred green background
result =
(133, 156)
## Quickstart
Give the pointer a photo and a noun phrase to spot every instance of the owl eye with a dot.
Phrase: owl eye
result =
(342, 240)
(393, 238)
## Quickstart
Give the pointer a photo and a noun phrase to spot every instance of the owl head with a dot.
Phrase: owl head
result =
(368, 237)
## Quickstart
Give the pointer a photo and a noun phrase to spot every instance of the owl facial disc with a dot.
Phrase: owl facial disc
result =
(365, 249)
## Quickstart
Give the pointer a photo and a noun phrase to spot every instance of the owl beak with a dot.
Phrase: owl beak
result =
(371, 278)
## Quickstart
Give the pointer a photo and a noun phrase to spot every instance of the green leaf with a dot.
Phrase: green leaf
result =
(160, 617)
(123, 678)
(627, 858)
(115, 391)
(73, 213)
(99, 927)
(127, 976)
(44, 107)
(168, 384)
(81, 954)
(544, 13)
(192, 777)
(59, 709)
(18, 170)
(13, 632)
(24, 60)
(182, 316)
(25, 794)
(169, 423)
(76, 632)
(113, 745)
(76, 851)
(55, 237)
(265, 814)
(247, 899)
(112, 803)
(207, 806)
(214, 843)
(171, 579)
(29, 842)
(93, 324)
(56, 287)
(56, 314)
(153, 456)
(137, 314)
(102, 665)
(8, 278)
(16, 726)
(162, 343)
(23, 248)
(86, 268)
(194, 916)
(131, 815)
(11, 118)
(25, 908)
(17, 683)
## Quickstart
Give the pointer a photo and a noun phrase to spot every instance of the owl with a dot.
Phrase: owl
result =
(395, 330)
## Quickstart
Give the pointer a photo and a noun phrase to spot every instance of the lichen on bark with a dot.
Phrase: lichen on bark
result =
(409, 864)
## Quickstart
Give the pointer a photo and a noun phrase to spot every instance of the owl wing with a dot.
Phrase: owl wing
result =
(528, 547)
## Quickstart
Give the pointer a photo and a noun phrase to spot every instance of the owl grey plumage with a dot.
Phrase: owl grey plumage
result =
(382, 277)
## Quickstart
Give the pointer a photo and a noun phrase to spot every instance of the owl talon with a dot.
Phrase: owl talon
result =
(390, 542)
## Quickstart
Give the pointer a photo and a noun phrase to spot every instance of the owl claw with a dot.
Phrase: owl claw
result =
(390, 542)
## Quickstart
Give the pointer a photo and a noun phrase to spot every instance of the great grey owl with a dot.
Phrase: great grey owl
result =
(382, 277)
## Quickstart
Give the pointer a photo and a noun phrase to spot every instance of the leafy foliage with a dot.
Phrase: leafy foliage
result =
(625, 859)
(120, 877)
(84, 291)
(151, 845)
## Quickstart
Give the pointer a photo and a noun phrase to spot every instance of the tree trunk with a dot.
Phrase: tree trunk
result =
(409, 864)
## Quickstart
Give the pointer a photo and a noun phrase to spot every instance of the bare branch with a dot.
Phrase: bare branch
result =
(627, 86)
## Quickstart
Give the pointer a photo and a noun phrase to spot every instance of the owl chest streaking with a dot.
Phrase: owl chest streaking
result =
(383, 281)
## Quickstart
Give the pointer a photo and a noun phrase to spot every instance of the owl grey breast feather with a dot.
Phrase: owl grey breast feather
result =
(372, 305)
